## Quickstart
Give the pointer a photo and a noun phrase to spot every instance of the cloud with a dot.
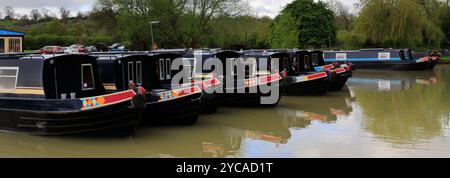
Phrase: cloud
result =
(260, 7)
(272, 7)
(25, 6)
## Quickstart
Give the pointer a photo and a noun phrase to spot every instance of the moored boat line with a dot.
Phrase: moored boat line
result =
(115, 93)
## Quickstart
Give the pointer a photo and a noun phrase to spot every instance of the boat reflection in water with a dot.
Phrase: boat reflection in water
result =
(390, 81)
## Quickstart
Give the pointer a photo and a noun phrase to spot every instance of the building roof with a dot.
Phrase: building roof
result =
(10, 33)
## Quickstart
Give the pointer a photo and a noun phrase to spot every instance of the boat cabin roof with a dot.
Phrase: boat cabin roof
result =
(57, 76)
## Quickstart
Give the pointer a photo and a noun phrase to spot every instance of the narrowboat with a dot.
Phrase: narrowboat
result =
(244, 85)
(207, 80)
(62, 95)
(380, 59)
(302, 78)
(434, 60)
(340, 72)
(166, 104)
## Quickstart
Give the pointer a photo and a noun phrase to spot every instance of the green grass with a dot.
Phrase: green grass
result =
(4, 23)
(445, 58)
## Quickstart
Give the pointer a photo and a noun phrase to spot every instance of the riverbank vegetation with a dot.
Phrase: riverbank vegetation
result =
(231, 24)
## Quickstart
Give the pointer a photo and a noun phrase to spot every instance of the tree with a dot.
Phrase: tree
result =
(446, 25)
(64, 13)
(45, 13)
(104, 16)
(343, 17)
(399, 23)
(9, 12)
(184, 22)
(285, 31)
(24, 20)
(35, 15)
(313, 22)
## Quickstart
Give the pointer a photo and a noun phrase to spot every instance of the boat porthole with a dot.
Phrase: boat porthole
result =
(119, 62)
(52, 61)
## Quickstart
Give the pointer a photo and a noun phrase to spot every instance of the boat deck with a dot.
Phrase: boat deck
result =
(29, 91)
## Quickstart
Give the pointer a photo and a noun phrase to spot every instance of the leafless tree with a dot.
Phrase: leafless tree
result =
(35, 15)
(9, 12)
(64, 13)
(45, 12)
(342, 13)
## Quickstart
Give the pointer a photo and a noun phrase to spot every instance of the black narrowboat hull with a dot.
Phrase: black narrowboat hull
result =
(210, 99)
(339, 81)
(432, 64)
(312, 87)
(393, 66)
(179, 111)
(115, 120)
(251, 95)
(211, 103)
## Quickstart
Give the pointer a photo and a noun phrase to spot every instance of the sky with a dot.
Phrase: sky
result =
(260, 7)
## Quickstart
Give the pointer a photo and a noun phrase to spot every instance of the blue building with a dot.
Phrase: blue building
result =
(11, 41)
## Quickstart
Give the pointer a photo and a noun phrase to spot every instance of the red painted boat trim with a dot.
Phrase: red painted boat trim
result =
(207, 83)
(328, 67)
(178, 93)
(340, 71)
(262, 80)
(316, 76)
(106, 100)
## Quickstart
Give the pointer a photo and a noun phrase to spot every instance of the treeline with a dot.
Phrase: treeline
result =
(184, 23)
(43, 27)
(380, 23)
(230, 24)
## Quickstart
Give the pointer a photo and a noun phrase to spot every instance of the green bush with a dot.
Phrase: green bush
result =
(348, 40)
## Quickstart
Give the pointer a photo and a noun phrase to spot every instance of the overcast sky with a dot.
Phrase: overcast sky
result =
(261, 7)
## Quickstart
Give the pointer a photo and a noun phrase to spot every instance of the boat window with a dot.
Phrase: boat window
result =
(14, 45)
(8, 78)
(286, 63)
(307, 64)
(130, 72)
(402, 55)
(168, 70)
(296, 65)
(189, 64)
(161, 69)
(2, 45)
(139, 73)
(233, 66)
(315, 59)
(87, 80)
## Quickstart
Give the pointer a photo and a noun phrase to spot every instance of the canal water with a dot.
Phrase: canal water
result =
(380, 114)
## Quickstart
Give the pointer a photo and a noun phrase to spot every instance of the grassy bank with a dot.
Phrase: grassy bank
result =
(445, 58)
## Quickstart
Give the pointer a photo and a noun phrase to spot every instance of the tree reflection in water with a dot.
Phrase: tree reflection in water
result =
(412, 109)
